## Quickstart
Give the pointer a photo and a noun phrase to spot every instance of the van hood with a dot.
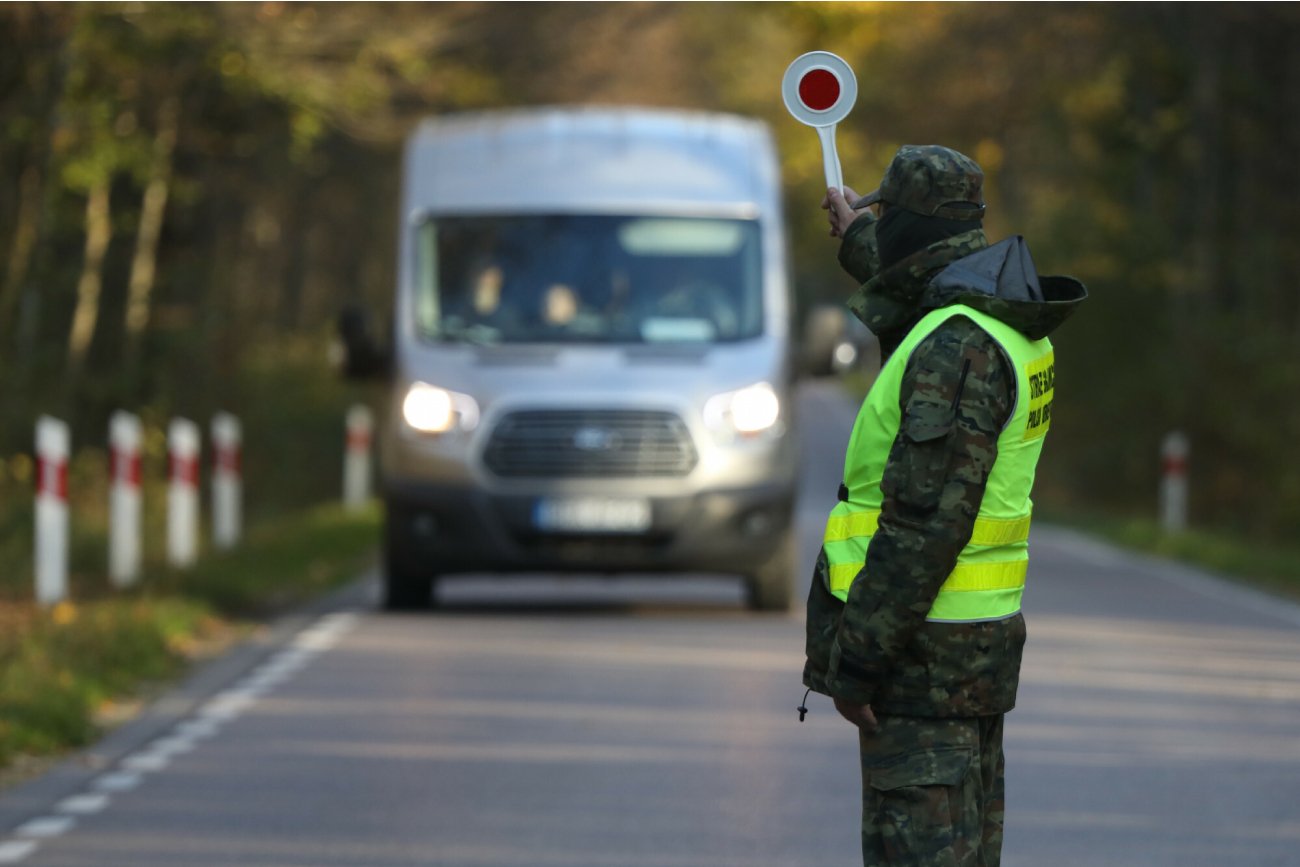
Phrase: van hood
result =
(553, 355)
(591, 375)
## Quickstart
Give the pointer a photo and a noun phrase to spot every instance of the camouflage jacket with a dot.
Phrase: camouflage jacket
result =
(878, 648)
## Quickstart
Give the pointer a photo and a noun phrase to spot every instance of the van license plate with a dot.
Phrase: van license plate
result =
(593, 515)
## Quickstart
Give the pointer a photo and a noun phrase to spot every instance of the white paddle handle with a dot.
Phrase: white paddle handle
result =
(830, 159)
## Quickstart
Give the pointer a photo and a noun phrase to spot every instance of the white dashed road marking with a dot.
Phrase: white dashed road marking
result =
(119, 781)
(197, 728)
(157, 755)
(173, 746)
(45, 826)
(15, 851)
(83, 805)
(145, 762)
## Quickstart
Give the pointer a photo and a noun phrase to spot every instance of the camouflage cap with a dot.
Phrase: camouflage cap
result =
(931, 180)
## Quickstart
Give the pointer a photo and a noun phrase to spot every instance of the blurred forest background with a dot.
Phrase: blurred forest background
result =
(192, 192)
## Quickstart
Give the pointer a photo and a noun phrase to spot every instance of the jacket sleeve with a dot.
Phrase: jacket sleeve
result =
(859, 255)
(823, 619)
(957, 394)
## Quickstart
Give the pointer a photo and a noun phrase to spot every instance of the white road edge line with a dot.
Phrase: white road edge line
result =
(16, 850)
(83, 805)
(146, 762)
(197, 728)
(45, 827)
(119, 781)
(173, 745)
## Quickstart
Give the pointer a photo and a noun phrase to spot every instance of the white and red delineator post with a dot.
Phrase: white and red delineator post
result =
(1173, 482)
(183, 493)
(227, 480)
(356, 457)
(819, 89)
(53, 448)
(124, 499)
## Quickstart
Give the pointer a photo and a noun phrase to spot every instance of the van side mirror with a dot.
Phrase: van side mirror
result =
(358, 354)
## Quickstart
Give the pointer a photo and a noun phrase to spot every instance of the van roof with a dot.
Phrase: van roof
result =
(608, 160)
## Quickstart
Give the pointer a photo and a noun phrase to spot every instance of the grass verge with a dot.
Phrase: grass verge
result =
(64, 670)
(283, 561)
(61, 669)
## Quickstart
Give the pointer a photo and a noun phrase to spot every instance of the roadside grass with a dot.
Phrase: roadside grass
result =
(283, 561)
(66, 671)
(61, 669)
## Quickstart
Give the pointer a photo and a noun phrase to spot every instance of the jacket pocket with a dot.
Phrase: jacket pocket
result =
(918, 462)
(943, 766)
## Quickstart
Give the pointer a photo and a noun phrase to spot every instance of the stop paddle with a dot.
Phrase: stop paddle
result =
(819, 89)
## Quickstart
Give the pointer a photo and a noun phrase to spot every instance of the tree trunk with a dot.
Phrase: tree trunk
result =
(144, 264)
(23, 241)
(1290, 275)
(1206, 191)
(99, 231)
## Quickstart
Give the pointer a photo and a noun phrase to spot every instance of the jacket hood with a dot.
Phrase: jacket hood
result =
(1001, 280)
(889, 302)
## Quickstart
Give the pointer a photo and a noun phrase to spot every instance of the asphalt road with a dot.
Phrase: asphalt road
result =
(652, 724)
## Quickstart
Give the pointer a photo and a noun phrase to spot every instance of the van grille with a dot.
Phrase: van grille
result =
(590, 443)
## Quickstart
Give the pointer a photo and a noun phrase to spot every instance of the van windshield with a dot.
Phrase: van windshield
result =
(584, 278)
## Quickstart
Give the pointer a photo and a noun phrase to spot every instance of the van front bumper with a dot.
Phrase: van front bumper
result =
(449, 529)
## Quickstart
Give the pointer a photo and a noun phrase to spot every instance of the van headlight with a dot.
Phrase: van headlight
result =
(433, 410)
(746, 412)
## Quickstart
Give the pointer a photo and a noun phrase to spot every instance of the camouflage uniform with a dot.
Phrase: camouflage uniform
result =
(932, 773)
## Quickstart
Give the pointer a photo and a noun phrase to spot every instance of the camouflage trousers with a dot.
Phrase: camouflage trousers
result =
(932, 792)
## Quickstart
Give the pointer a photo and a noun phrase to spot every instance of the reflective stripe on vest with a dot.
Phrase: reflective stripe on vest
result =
(989, 578)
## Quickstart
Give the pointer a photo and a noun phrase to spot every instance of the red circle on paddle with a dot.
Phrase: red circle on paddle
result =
(819, 89)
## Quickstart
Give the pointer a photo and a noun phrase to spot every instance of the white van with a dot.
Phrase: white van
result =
(591, 362)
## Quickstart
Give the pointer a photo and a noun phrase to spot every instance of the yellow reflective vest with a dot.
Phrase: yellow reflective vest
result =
(989, 577)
